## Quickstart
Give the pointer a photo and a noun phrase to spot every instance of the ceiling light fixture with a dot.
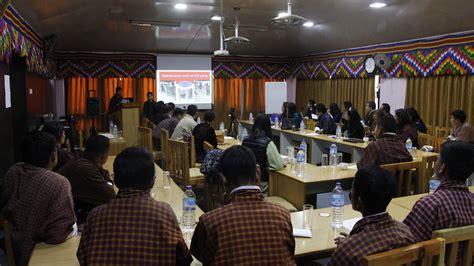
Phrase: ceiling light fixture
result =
(288, 19)
(149, 23)
(180, 6)
(308, 24)
(282, 14)
(216, 18)
(377, 5)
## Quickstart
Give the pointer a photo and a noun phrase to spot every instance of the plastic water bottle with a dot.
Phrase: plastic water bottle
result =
(304, 148)
(302, 129)
(222, 127)
(434, 184)
(245, 133)
(337, 204)
(198, 120)
(338, 132)
(111, 127)
(300, 161)
(409, 145)
(251, 117)
(115, 131)
(333, 155)
(189, 208)
(277, 122)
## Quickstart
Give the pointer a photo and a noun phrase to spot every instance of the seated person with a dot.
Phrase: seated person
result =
(294, 115)
(385, 108)
(369, 116)
(35, 200)
(186, 124)
(204, 132)
(372, 190)
(325, 121)
(388, 148)
(335, 113)
(168, 124)
(133, 228)
(452, 204)
(161, 112)
(260, 142)
(406, 129)
(56, 129)
(310, 111)
(458, 121)
(248, 230)
(416, 119)
(90, 182)
(353, 126)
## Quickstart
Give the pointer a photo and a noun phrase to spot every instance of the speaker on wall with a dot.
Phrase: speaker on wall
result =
(92, 106)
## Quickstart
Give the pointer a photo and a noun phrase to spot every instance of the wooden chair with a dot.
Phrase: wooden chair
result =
(7, 231)
(164, 137)
(427, 171)
(81, 140)
(404, 172)
(145, 140)
(188, 138)
(207, 146)
(423, 139)
(426, 253)
(437, 143)
(179, 161)
(442, 132)
(455, 237)
(429, 129)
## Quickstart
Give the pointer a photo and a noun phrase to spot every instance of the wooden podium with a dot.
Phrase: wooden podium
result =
(129, 121)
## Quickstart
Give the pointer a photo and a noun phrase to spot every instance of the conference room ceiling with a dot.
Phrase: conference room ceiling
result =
(104, 25)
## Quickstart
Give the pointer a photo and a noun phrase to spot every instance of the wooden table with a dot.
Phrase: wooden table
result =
(409, 201)
(65, 254)
(322, 243)
(228, 142)
(117, 145)
(301, 190)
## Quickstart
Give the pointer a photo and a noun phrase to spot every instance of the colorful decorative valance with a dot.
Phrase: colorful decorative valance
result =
(99, 65)
(17, 37)
(446, 55)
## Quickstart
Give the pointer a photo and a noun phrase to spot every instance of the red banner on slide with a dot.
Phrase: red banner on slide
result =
(180, 76)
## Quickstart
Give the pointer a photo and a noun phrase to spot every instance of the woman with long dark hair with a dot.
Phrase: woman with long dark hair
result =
(416, 119)
(335, 112)
(294, 114)
(353, 126)
(405, 127)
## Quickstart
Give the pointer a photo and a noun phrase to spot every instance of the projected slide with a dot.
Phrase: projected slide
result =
(185, 87)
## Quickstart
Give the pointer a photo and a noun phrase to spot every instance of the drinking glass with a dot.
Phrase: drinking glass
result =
(292, 165)
(307, 216)
(166, 180)
(324, 160)
(291, 151)
(339, 157)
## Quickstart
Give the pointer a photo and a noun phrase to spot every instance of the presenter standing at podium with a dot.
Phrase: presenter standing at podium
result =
(115, 102)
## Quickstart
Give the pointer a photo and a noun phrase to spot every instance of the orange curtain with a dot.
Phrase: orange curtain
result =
(227, 94)
(77, 91)
(254, 96)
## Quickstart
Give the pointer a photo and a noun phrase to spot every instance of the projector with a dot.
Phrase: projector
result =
(221, 52)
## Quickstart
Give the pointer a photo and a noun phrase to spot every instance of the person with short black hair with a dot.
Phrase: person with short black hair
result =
(133, 219)
(227, 235)
(452, 204)
(347, 106)
(168, 124)
(458, 121)
(149, 107)
(325, 121)
(388, 147)
(386, 108)
(335, 113)
(171, 106)
(406, 130)
(161, 112)
(115, 102)
(310, 109)
(265, 150)
(37, 201)
(186, 124)
(56, 129)
(416, 120)
(353, 127)
(372, 190)
(369, 115)
(91, 183)
(204, 132)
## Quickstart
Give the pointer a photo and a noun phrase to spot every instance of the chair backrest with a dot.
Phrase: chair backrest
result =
(189, 138)
(427, 171)
(81, 140)
(145, 139)
(164, 137)
(404, 172)
(459, 239)
(426, 253)
(437, 143)
(310, 124)
(178, 162)
(207, 146)
(7, 231)
(442, 132)
(430, 129)
(423, 139)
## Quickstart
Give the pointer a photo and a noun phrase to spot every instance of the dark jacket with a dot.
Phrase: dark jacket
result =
(355, 129)
(258, 144)
(203, 132)
(327, 124)
(149, 109)
(115, 103)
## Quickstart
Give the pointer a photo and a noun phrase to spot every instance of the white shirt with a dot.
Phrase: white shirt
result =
(185, 126)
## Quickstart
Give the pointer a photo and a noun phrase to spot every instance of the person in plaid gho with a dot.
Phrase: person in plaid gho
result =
(248, 230)
(372, 190)
(133, 228)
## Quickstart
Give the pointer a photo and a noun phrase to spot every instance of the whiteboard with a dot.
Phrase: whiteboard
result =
(393, 92)
(275, 96)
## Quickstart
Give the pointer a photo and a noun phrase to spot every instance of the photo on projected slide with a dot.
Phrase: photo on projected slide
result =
(185, 87)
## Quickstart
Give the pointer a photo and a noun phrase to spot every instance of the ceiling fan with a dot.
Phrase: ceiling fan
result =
(289, 19)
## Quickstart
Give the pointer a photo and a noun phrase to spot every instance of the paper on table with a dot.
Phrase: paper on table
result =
(108, 135)
(312, 134)
(353, 167)
(298, 232)
(313, 116)
(227, 137)
(349, 224)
